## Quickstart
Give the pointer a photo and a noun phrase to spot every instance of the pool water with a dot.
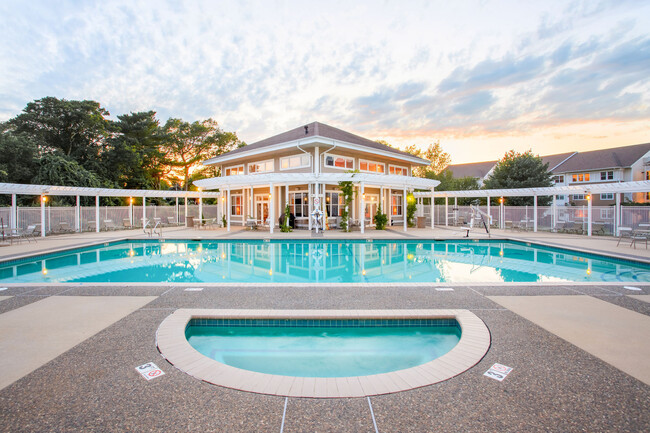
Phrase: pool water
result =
(306, 349)
(332, 261)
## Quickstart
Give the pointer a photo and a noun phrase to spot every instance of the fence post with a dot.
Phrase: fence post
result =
(535, 214)
(43, 200)
(617, 217)
(14, 212)
(97, 225)
(589, 200)
(77, 215)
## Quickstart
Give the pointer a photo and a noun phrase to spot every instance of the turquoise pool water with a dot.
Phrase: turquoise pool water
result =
(324, 348)
(256, 261)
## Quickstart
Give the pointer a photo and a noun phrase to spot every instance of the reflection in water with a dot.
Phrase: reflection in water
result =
(323, 262)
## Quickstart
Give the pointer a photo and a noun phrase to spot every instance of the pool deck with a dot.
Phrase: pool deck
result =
(579, 353)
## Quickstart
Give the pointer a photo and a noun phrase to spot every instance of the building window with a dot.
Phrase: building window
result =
(299, 204)
(334, 204)
(559, 197)
(261, 167)
(399, 171)
(579, 196)
(581, 177)
(396, 205)
(295, 161)
(607, 196)
(559, 178)
(336, 161)
(371, 166)
(606, 175)
(234, 171)
(235, 204)
(647, 175)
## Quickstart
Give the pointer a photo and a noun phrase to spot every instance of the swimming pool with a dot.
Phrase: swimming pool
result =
(323, 348)
(331, 261)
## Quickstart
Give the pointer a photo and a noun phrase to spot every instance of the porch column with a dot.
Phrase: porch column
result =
(286, 195)
(178, 217)
(617, 217)
(144, 210)
(12, 219)
(97, 226)
(43, 200)
(381, 200)
(447, 211)
(200, 206)
(589, 200)
(309, 201)
(271, 209)
(433, 208)
(363, 207)
(404, 206)
(251, 203)
(228, 210)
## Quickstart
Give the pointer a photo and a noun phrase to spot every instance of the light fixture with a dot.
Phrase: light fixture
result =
(269, 195)
(131, 200)
(501, 200)
(44, 198)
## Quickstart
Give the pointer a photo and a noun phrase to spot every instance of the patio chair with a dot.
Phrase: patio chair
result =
(109, 225)
(171, 221)
(209, 223)
(91, 226)
(63, 227)
(30, 232)
(624, 232)
(126, 223)
(598, 228)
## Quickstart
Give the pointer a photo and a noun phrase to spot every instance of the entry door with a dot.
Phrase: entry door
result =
(261, 209)
(371, 208)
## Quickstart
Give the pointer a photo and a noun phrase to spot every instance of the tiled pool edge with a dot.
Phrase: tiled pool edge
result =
(173, 346)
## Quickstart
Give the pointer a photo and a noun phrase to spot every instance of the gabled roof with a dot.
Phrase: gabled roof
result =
(555, 160)
(475, 169)
(317, 129)
(618, 157)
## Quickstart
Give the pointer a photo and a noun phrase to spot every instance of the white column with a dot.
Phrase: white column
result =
(404, 205)
(200, 206)
(554, 213)
(43, 198)
(433, 209)
(489, 217)
(12, 219)
(131, 210)
(390, 207)
(591, 198)
(617, 217)
(271, 209)
(228, 210)
(362, 201)
(185, 205)
(178, 217)
(97, 225)
(309, 200)
(535, 214)
(317, 161)
(251, 209)
(502, 215)
(144, 210)
(446, 211)
(381, 200)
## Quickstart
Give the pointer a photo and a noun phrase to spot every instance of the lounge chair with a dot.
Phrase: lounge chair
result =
(63, 227)
(110, 225)
(126, 223)
(30, 232)
(171, 221)
(624, 232)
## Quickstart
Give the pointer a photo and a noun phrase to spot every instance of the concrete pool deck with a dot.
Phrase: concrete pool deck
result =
(555, 385)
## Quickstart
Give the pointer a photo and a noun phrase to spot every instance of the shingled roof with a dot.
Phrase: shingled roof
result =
(473, 169)
(617, 157)
(322, 130)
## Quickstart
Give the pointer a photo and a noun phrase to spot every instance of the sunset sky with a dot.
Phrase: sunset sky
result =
(482, 77)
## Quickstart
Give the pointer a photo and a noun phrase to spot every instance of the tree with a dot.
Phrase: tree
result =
(520, 170)
(134, 158)
(438, 159)
(186, 145)
(18, 156)
(75, 129)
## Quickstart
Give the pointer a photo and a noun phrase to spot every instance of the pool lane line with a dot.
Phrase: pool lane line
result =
(284, 413)
(372, 413)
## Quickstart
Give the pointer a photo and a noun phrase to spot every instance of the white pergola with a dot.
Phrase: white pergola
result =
(616, 188)
(44, 191)
(314, 180)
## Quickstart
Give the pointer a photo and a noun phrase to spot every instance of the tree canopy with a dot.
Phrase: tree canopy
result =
(520, 170)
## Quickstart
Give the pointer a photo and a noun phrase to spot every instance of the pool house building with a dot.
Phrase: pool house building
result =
(303, 167)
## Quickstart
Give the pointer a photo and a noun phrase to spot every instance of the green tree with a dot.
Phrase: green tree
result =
(77, 130)
(18, 156)
(520, 170)
(134, 158)
(187, 145)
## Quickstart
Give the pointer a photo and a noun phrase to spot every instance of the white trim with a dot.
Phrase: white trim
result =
(398, 166)
(333, 155)
(232, 167)
(315, 139)
(368, 161)
(272, 161)
(300, 155)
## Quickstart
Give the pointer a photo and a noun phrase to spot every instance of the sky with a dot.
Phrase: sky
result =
(480, 77)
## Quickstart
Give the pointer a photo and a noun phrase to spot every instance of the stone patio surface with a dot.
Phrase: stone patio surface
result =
(91, 384)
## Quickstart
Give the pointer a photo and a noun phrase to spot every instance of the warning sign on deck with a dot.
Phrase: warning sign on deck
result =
(498, 372)
(149, 371)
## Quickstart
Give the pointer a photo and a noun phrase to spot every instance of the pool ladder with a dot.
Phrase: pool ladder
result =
(152, 230)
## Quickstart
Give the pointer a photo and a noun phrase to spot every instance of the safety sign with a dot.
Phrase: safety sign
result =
(149, 371)
(498, 372)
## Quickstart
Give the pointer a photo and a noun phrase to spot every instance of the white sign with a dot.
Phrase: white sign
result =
(316, 201)
(149, 371)
(498, 372)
